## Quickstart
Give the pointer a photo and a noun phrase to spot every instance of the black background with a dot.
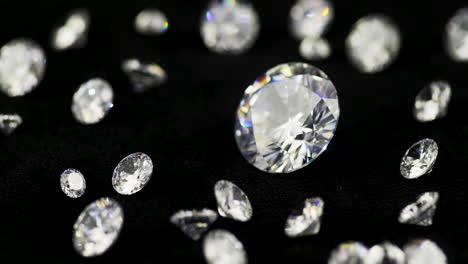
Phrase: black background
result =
(186, 126)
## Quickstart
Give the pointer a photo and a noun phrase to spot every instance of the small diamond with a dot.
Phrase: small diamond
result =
(457, 35)
(222, 247)
(143, 75)
(422, 211)
(432, 101)
(373, 44)
(22, 67)
(419, 159)
(386, 253)
(194, 223)
(305, 219)
(310, 18)
(229, 26)
(132, 173)
(349, 252)
(73, 183)
(232, 201)
(151, 22)
(92, 101)
(97, 227)
(424, 251)
(287, 118)
(73, 32)
(314, 48)
(9, 123)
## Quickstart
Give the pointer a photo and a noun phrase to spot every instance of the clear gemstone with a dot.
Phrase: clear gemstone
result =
(424, 251)
(222, 247)
(457, 35)
(310, 18)
(287, 118)
(312, 48)
(73, 32)
(132, 173)
(422, 211)
(349, 253)
(305, 219)
(92, 101)
(143, 75)
(432, 101)
(229, 26)
(419, 159)
(373, 44)
(194, 223)
(73, 183)
(386, 253)
(9, 123)
(232, 201)
(151, 22)
(97, 227)
(22, 67)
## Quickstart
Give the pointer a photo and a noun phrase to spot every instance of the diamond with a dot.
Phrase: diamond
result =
(92, 101)
(312, 48)
(287, 118)
(386, 253)
(419, 159)
(22, 67)
(457, 35)
(143, 75)
(222, 247)
(9, 123)
(97, 227)
(310, 18)
(132, 173)
(373, 44)
(73, 183)
(432, 101)
(349, 252)
(232, 201)
(73, 32)
(305, 219)
(229, 26)
(151, 22)
(422, 211)
(194, 223)
(424, 251)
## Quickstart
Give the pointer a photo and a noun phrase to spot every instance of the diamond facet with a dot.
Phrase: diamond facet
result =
(305, 219)
(424, 251)
(151, 22)
(287, 118)
(312, 48)
(143, 75)
(73, 183)
(194, 223)
(92, 101)
(386, 253)
(229, 26)
(132, 173)
(222, 247)
(457, 35)
(310, 18)
(422, 211)
(349, 252)
(73, 33)
(232, 201)
(419, 159)
(22, 67)
(432, 101)
(9, 123)
(97, 227)
(373, 44)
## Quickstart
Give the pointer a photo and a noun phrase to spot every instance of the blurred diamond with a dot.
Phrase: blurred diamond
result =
(424, 251)
(232, 201)
(386, 253)
(73, 32)
(73, 183)
(457, 35)
(314, 48)
(151, 22)
(222, 247)
(194, 223)
(419, 159)
(310, 18)
(349, 253)
(432, 101)
(132, 173)
(305, 219)
(422, 211)
(9, 123)
(143, 75)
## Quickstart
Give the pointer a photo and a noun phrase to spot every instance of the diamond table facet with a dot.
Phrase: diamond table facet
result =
(132, 173)
(232, 201)
(194, 223)
(457, 35)
(310, 18)
(9, 123)
(151, 22)
(143, 75)
(73, 183)
(419, 159)
(305, 219)
(424, 251)
(422, 211)
(432, 101)
(222, 247)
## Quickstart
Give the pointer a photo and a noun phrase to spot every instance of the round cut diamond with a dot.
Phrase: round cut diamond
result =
(232, 201)
(422, 211)
(73, 183)
(310, 18)
(73, 32)
(305, 219)
(22, 66)
(349, 252)
(419, 159)
(314, 48)
(386, 253)
(287, 118)
(424, 251)
(222, 247)
(132, 173)
(229, 26)
(151, 22)
(432, 101)
(457, 35)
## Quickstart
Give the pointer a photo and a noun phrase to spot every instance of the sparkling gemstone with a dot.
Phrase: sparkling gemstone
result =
(232, 201)
(73, 183)
(432, 101)
(194, 223)
(422, 211)
(73, 32)
(97, 227)
(143, 75)
(312, 48)
(222, 247)
(373, 44)
(151, 22)
(132, 173)
(419, 159)
(386, 253)
(287, 118)
(229, 26)
(457, 35)
(22, 67)
(424, 251)
(305, 219)
(9, 123)
(310, 18)
(349, 253)
(92, 101)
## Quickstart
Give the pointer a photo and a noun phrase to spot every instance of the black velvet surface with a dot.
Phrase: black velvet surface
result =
(186, 126)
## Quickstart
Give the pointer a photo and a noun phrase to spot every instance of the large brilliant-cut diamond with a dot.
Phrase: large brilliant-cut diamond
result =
(457, 35)
(310, 18)
(287, 118)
